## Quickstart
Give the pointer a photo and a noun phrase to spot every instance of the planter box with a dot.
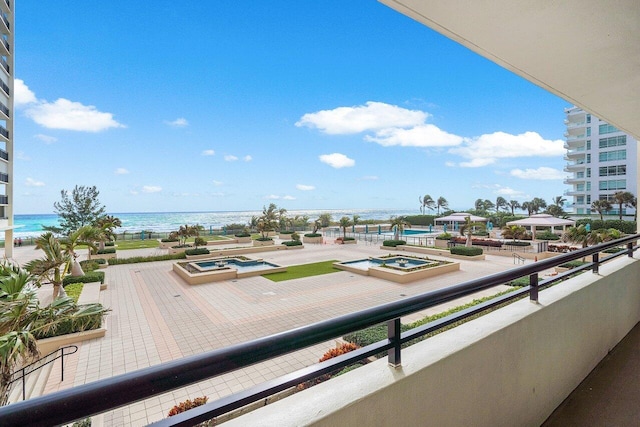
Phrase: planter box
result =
(221, 242)
(167, 245)
(432, 251)
(178, 250)
(264, 242)
(243, 239)
(441, 243)
(284, 236)
(306, 239)
(104, 256)
(347, 242)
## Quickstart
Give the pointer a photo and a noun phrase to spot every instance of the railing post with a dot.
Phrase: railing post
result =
(596, 263)
(630, 249)
(393, 333)
(24, 386)
(533, 287)
(62, 365)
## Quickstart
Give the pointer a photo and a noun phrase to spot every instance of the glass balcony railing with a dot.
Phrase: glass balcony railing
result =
(4, 154)
(5, 88)
(4, 200)
(4, 177)
(4, 132)
(4, 109)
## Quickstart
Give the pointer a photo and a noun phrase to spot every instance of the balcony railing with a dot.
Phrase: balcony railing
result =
(5, 88)
(111, 393)
(4, 154)
(4, 132)
(4, 200)
(4, 177)
(5, 64)
(4, 109)
(6, 21)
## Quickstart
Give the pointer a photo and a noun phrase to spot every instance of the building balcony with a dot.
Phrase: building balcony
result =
(571, 181)
(4, 65)
(574, 192)
(514, 365)
(5, 88)
(572, 138)
(4, 177)
(5, 6)
(575, 155)
(4, 155)
(4, 109)
(4, 200)
(5, 23)
(575, 129)
(574, 167)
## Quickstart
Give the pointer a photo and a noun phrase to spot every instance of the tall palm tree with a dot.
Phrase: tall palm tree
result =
(53, 267)
(622, 198)
(514, 204)
(356, 220)
(479, 204)
(282, 218)
(601, 206)
(528, 206)
(501, 202)
(398, 224)
(537, 204)
(487, 205)
(441, 203)
(426, 202)
(467, 228)
(107, 224)
(344, 223)
(558, 201)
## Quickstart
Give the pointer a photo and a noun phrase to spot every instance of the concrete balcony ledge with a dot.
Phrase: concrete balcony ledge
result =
(513, 366)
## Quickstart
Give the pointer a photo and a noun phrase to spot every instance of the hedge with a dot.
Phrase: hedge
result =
(109, 243)
(547, 235)
(313, 235)
(517, 243)
(463, 250)
(137, 259)
(264, 239)
(105, 251)
(169, 240)
(286, 232)
(627, 227)
(420, 219)
(573, 264)
(92, 276)
(393, 243)
(242, 235)
(444, 236)
(479, 242)
(292, 243)
(198, 251)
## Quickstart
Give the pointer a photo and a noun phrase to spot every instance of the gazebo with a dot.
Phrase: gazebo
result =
(542, 220)
(459, 217)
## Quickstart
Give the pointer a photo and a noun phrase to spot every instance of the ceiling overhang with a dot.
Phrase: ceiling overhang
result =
(585, 51)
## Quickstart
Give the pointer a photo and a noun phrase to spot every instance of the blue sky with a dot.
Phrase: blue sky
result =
(231, 105)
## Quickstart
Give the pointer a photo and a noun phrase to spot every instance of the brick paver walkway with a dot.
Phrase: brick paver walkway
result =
(156, 317)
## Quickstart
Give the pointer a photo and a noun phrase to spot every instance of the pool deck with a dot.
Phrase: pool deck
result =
(156, 317)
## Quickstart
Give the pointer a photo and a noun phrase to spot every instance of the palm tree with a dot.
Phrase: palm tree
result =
(501, 202)
(268, 221)
(344, 223)
(514, 204)
(622, 198)
(479, 204)
(108, 224)
(527, 206)
(53, 267)
(398, 224)
(487, 205)
(634, 205)
(537, 204)
(558, 201)
(282, 218)
(601, 206)
(23, 321)
(426, 202)
(467, 228)
(441, 203)
(356, 220)
(83, 236)
(514, 232)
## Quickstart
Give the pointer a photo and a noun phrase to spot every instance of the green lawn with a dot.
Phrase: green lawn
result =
(123, 245)
(304, 270)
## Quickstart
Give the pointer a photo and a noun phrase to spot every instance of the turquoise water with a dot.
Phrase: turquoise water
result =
(365, 264)
(170, 221)
(241, 266)
(407, 232)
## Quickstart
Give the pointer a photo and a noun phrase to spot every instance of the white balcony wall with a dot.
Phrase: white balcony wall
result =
(511, 367)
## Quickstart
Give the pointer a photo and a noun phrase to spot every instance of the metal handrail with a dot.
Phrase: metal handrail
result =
(25, 370)
(128, 388)
(517, 259)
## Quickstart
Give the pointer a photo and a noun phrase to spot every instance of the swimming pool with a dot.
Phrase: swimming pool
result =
(241, 265)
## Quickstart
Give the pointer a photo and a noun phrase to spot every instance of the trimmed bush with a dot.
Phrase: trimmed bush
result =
(479, 242)
(89, 265)
(199, 251)
(169, 240)
(105, 251)
(463, 250)
(109, 243)
(286, 232)
(242, 235)
(137, 259)
(573, 264)
(393, 243)
(547, 235)
(517, 243)
(98, 261)
(627, 227)
(186, 245)
(420, 219)
(313, 235)
(292, 243)
(264, 239)
(444, 236)
(614, 250)
(92, 276)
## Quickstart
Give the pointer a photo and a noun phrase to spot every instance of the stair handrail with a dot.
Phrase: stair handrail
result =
(24, 371)
(518, 258)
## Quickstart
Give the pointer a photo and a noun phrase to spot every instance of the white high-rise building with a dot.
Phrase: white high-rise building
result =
(601, 160)
(6, 122)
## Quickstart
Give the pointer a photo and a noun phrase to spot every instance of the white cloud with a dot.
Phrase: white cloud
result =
(288, 197)
(510, 192)
(485, 149)
(180, 122)
(542, 173)
(303, 187)
(425, 135)
(30, 182)
(230, 158)
(362, 118)
(46, 138)
(20, 155)
(369, 178)
(272, 197)
(22, 94)
(133, 192)
(218, 194)
(208, 153)
(69, 115)
(217, 183)
(151, 189)
(121, 171)
(337, 160)
(477, 163)
(247, 158)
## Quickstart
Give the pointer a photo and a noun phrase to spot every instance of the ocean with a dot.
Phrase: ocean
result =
(31, 225)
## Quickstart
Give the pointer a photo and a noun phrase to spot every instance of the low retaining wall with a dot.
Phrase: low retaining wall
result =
(251, 250)
(432, 251)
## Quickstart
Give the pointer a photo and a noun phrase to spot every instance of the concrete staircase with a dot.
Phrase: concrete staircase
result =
(35, 383)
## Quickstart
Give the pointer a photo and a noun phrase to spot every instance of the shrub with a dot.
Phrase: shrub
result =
(286, 232)
(87, 317)
(198, 251)
(243, 234)
(74, 290)
(479, 242)
(264, 239)
(573, 264)
(199, 241)
(340, 349)
(92, 276)
(295, 236)
(420, 219)
(169, 240)
(292, 243)
(105, 251)
(89, 265)
(99, 260)
(463, 250)
(444, 236)
(313, 235)
(186, 405)
(547, 235)
(137, 259)
(627, 227)
(393, 243)
(181, 246)
(110, 243)
(614, 250)
(82, 423)
(561, 248)
(516, 243)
